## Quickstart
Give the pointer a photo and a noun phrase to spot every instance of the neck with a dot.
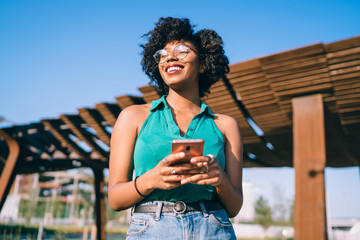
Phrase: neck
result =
(185, 100)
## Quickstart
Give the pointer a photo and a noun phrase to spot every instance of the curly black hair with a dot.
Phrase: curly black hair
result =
(208, 44)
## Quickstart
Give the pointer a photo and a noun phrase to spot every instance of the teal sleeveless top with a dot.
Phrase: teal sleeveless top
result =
(154, 143)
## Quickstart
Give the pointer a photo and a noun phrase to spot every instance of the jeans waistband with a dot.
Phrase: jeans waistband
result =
(177, 207)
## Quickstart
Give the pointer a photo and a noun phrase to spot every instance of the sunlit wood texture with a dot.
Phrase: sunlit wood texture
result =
(220, 100)
(78, 127)
(62, 133)
(94, 120)
(254, 90)
(126, 101)
(8, 173)
(266, 86)
(344, 68)
(149, 93)
(109, 111)
(294, 73)
(309, 164)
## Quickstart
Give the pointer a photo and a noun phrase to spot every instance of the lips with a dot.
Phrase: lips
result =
(173, 68)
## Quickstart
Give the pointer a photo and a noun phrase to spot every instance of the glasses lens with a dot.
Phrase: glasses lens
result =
(181, 51)
(160, 55)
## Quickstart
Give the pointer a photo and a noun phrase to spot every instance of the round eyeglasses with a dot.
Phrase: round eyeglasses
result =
(179, 52)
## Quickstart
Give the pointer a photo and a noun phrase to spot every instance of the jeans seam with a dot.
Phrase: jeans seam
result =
(220, 224)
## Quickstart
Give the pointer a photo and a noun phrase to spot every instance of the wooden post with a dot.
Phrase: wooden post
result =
(309, 164)
(99, 203)
(8, 173)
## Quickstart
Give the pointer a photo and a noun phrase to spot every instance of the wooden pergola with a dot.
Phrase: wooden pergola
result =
(298, 108)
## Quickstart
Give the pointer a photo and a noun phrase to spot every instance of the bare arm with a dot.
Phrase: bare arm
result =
(122, 193)
(230, 189)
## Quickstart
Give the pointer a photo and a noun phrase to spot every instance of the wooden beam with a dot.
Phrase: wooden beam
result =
(8, 173)
(309, 164)
(99, 203)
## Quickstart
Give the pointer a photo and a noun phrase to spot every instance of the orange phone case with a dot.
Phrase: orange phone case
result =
(191, 147)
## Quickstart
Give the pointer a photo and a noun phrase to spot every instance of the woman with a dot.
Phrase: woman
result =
(173, 199)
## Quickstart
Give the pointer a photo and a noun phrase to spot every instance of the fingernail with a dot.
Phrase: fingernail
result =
(181, 154)
(183, 181)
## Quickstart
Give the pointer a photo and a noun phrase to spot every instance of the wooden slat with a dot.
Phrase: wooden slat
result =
(291, 54)
(149, 93)
(54, 126)
(73, 121)
(109, 112)
(94, 120)
(343, 44)
(126, 100)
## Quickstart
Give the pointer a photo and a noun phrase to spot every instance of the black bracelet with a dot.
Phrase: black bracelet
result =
(138, 189)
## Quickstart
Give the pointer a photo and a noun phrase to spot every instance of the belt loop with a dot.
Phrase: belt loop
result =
(203, 209)
(132, 210)
(158, 211)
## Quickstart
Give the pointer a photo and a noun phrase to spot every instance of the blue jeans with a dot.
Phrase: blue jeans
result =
(195, 225)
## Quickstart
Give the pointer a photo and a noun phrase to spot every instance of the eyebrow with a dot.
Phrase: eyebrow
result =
(178, 45)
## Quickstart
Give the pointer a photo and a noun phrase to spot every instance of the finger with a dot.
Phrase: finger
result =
(175, 178)
(195, 171)
(170, 185)
(177, 169)
(199, 161)
(201, 169)
(203, 160)
(209, 181)
(200, 177)
(173, 158)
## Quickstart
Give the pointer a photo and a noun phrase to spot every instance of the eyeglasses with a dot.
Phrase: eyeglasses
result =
(179, 52)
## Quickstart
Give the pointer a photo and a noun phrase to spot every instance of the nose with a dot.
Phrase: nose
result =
(171, 56)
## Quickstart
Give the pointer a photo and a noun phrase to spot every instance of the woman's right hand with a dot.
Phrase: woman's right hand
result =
(167, 174)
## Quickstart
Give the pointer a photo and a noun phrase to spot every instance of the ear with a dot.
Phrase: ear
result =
(202, 68)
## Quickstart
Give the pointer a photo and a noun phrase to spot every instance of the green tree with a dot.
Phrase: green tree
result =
(291, 215)
(281, 207)
(263, 213)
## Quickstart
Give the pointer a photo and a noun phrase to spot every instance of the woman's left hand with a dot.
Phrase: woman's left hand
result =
(208, 172)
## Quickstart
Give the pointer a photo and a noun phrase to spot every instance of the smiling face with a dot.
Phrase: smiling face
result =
(177, 72)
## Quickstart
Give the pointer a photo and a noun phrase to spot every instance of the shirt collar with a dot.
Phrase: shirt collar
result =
(161, 101)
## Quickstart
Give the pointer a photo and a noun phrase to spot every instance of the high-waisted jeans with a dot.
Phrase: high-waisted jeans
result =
(194, 225)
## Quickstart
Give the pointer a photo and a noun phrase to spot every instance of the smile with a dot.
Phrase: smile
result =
(173, 68)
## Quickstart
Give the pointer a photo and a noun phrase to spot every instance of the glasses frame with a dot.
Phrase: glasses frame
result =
(175, 55)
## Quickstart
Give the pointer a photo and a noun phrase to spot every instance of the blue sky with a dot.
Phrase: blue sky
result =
(57, 56)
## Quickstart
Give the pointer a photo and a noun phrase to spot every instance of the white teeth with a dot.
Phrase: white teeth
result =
(173, 69)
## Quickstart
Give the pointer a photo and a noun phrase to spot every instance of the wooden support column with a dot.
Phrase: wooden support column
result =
(309, 164)
(99, 203)
(8, 173)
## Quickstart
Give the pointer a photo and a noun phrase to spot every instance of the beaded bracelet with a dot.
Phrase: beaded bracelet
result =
(137, 188)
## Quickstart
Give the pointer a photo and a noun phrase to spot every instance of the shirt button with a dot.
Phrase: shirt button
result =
(186, 136)
(190, 129)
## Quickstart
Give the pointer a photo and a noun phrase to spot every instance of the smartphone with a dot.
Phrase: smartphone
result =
(191, 147)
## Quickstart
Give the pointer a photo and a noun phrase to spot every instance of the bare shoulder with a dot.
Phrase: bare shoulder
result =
(225, 120)
(133, 115)
(135, 110)
(226, 123)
